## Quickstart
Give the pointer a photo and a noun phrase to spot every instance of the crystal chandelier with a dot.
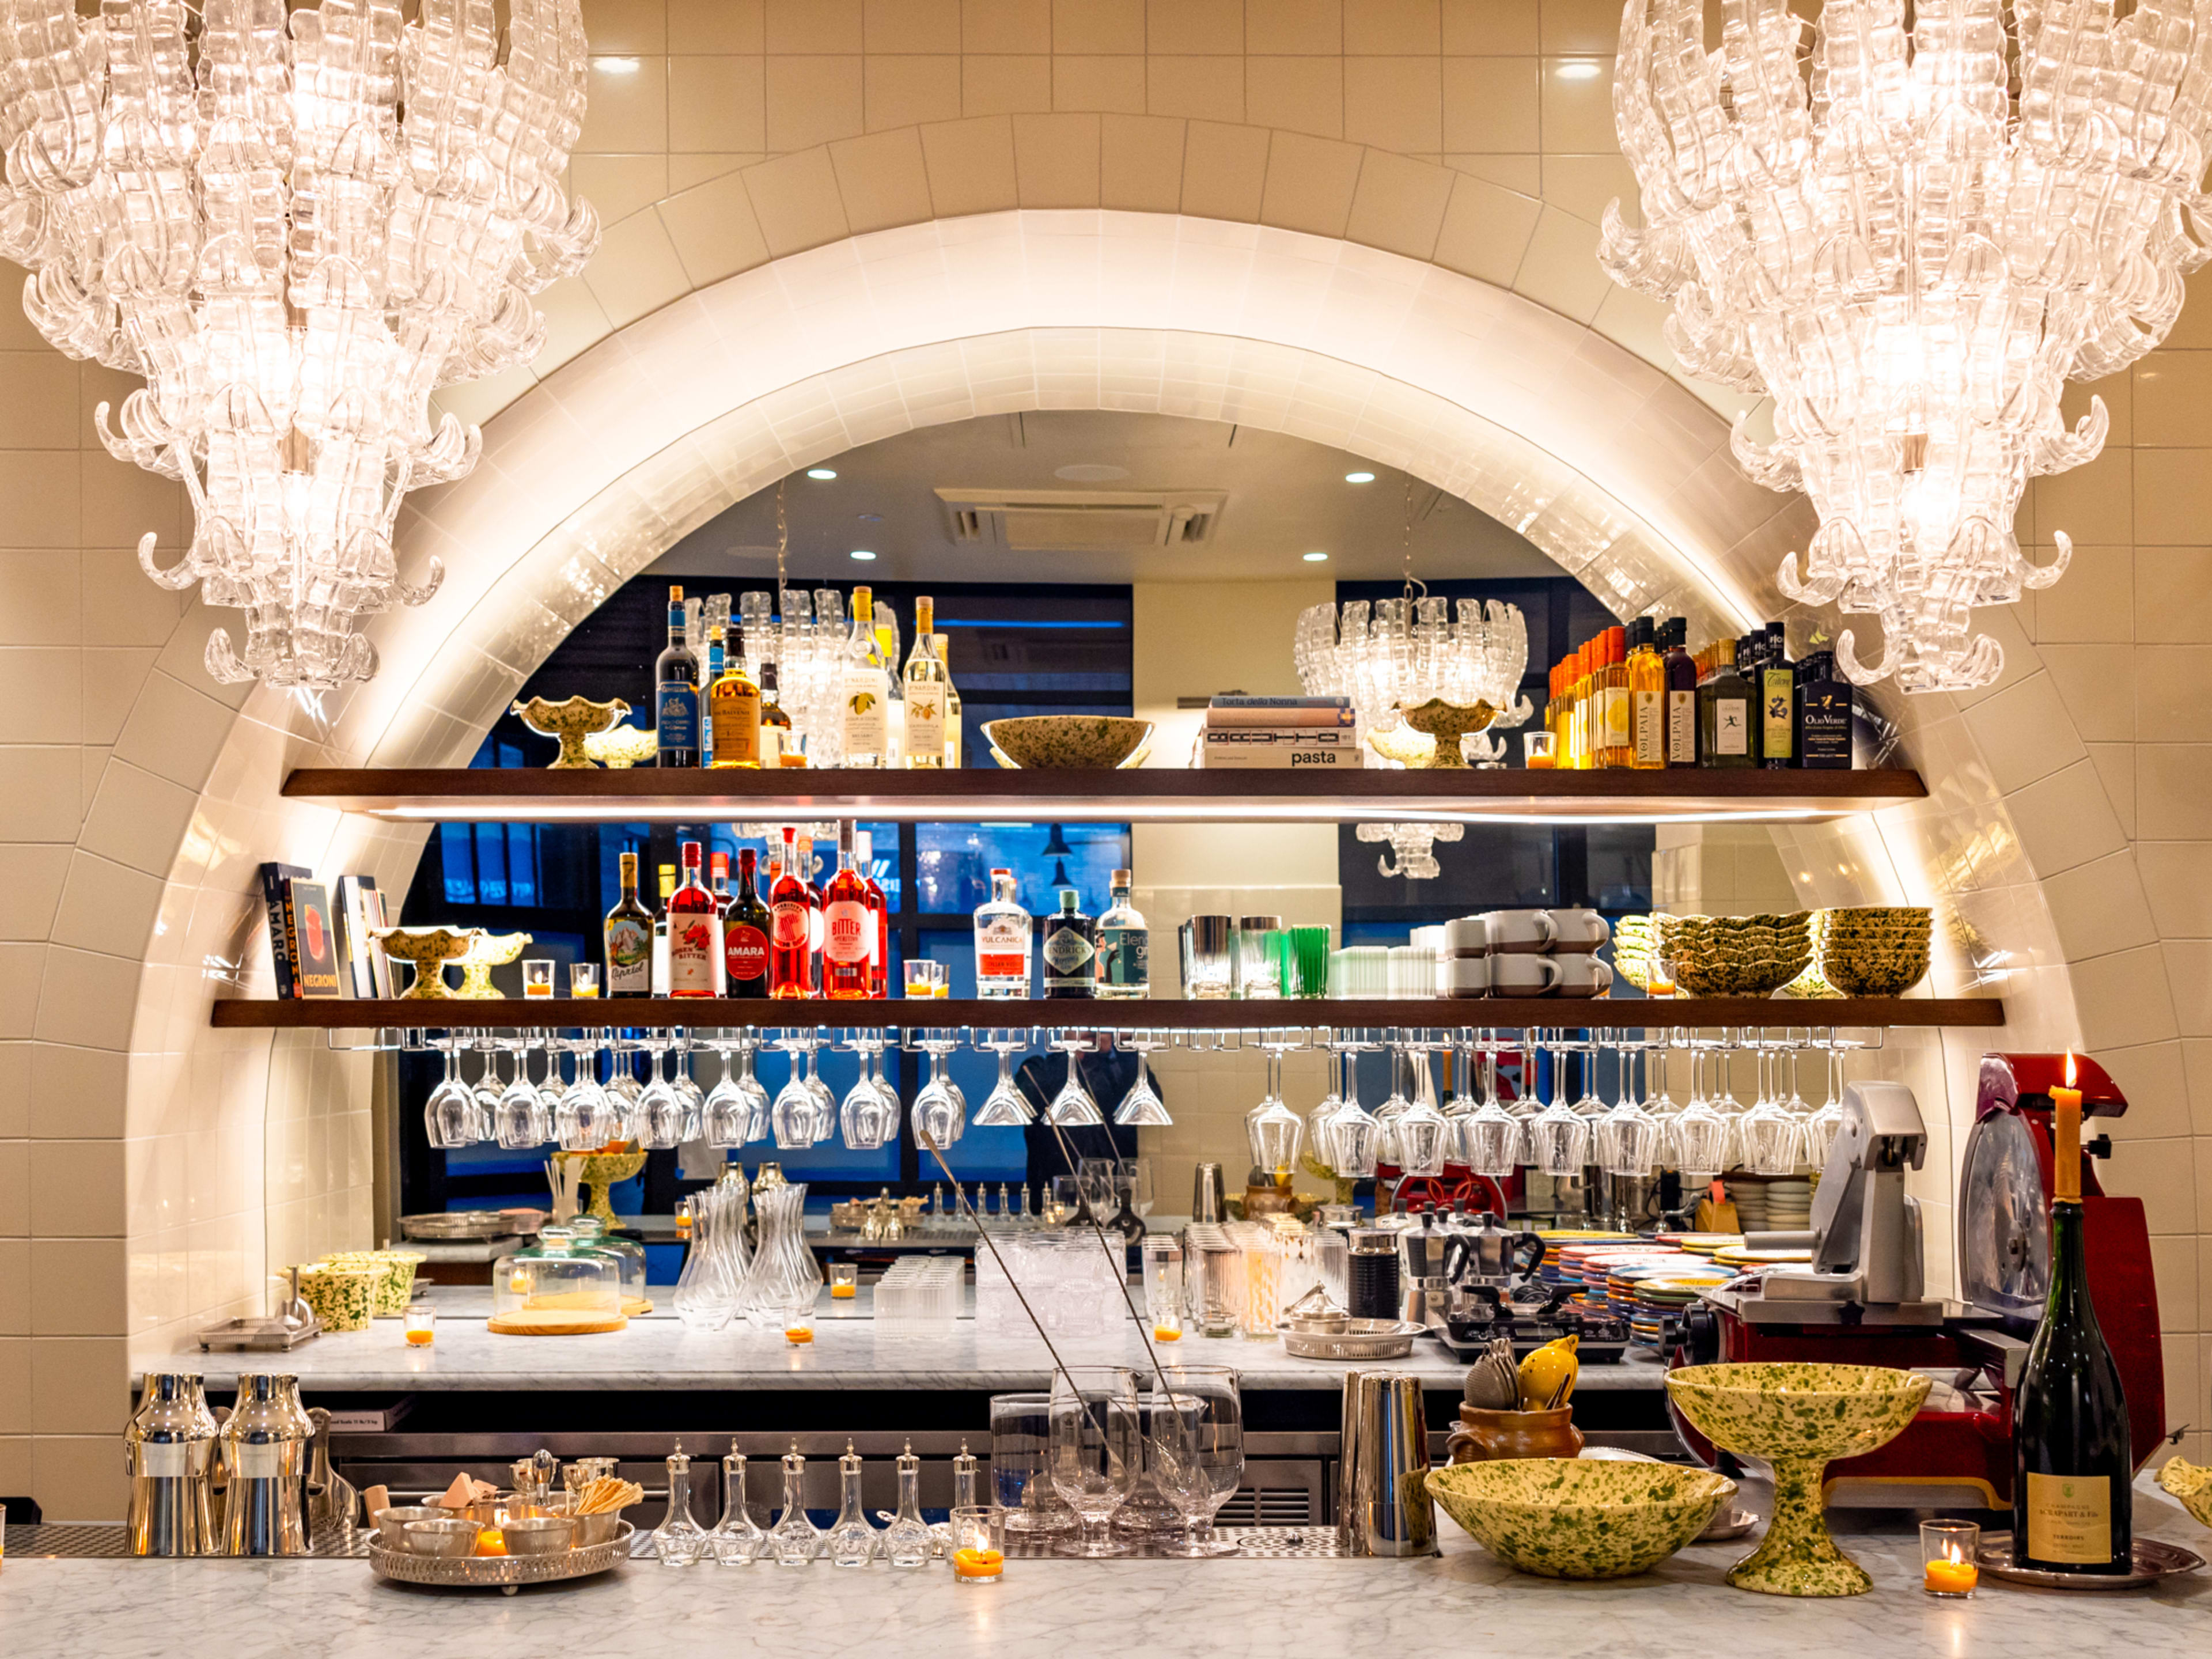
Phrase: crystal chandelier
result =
(1912, 239)
(296, 225)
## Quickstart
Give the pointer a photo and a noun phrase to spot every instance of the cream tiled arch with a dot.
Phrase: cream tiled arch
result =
(1597, 455)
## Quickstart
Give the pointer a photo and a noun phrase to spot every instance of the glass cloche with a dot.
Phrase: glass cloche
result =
(556, 1290)
(592, 1233)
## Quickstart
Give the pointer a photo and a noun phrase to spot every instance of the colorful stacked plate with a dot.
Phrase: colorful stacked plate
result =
(1738, 1256)
(1659, 1299)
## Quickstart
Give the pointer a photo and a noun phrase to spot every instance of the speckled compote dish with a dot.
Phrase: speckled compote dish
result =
(571, 722)
(1561, 1518)
(1445, 723)
(1799, 1419)
(430, 949)
(490, 951)
(1059, 742)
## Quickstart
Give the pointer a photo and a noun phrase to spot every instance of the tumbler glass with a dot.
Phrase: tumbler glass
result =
(1021, 1439)
(537, 977)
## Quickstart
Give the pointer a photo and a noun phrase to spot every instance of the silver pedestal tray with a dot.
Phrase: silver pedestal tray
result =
(1351, 1339)
(508, 1573)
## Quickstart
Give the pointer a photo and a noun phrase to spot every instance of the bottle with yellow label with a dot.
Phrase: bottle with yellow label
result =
(953, 738)
(733, 702)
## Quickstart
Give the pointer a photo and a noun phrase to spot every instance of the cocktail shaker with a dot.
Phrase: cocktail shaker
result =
(168, 1448)
(1208, 1195)
(1382, 1502)
(264, 1455)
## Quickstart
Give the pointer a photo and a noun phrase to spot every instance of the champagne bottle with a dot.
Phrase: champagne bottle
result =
(2072, 1463)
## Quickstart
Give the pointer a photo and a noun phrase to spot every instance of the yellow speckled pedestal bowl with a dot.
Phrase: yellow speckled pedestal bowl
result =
(601, 1171)
(1561, 1518)
(2190, 1484)
(1058, 743)
(1446, 723)
(1799, 1419)
(430, 949)
(490, 951)
(571, 721)
(621, 747)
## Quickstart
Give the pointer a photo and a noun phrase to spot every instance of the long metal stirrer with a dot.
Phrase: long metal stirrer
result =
(1119, 1258)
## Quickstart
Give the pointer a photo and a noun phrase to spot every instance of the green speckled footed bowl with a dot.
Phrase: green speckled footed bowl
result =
(1798, 1418)
(1562, 1518)
(1057, 742)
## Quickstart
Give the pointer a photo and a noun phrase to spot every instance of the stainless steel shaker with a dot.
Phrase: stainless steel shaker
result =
(167, 1449)
(265, 1454)
(1382, 1502)
(1208, 1195)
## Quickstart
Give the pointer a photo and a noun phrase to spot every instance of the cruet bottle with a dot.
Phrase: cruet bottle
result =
(907, 1541)
(735, 1539)
(795, 1539)
(678, 1541)
(852, 1541)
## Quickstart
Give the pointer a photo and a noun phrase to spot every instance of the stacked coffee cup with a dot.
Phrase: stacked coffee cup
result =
(1527, 953)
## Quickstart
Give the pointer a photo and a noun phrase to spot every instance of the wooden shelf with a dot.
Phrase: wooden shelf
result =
(1144, 796)
(1608, 1013)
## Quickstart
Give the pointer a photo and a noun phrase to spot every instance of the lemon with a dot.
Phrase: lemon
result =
(1549, 1371)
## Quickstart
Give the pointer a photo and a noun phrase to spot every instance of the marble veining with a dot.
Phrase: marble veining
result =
(1465, 1598)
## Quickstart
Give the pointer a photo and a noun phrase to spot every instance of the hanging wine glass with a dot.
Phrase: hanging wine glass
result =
(449, 1115)
(659, 1116)
(825, 1104)
(694, 1098)
(623, 1090)
(484, 1098)
(723, 1116)
(1072, 1107)
(1491, 1141)
(555, 1085)
(1142, 1107)
(1003, 1108)
(519, 1121)
(1704, 1142)
(1560, 1139)
(939, 1119)
(758, 1106)
(588, 1118)
(792, 1117)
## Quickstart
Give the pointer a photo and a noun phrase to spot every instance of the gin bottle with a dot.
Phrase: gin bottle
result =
(1069, 952)
(1124, 946)
(1002, 942)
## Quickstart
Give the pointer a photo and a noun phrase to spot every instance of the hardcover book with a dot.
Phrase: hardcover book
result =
(357, 913)
(309, 941)
(276, 900)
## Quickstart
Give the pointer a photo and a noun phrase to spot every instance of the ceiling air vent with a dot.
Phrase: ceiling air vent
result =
(1082, 520)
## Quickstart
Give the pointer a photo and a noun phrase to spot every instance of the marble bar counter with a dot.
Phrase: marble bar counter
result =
(1462, 1601)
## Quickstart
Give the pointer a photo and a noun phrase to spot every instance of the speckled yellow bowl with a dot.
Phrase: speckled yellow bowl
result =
(1798, 1418)
(395, 1269)
(1560, 1517)
(1053, 743)
(2191, 1484)
(343, 1298)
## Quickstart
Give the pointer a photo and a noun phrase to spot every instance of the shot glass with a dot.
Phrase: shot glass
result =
(583, 979)
(422, 1324)
(924, 978)
(537, 977)
(979, 1544)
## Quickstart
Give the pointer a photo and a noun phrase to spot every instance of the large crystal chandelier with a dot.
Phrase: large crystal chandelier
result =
(296, 224)
(1911, 238)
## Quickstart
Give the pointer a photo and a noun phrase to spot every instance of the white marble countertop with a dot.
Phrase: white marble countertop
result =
(658, 1352)
(1463, 1601)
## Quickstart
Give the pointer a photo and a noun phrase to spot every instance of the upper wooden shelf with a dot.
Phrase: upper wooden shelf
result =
(1603, 1013)
(1149, 795)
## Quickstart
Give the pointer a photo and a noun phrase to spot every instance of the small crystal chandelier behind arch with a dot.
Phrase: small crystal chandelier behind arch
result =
(1912, 239)
(296, 224)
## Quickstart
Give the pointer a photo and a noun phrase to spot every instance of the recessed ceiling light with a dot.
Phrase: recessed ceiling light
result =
(821, 472)
(1359, 478)
(1578, 70)
(615, 65)
(1317, 558)
(863, 554)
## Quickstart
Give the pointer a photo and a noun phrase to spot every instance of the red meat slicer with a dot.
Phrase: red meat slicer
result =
(1861, 1300)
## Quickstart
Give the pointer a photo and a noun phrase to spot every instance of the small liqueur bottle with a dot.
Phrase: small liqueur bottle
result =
(1824, 716)
(676, 692)
(1681, 694)
(778, 746)
(1069, 952)
(1124, 946)
(794, 1540)
(804, 866)
(733, 704)
(887, 653)
(628, 932)
(718, 884)
(866, 688)
(852, 1541)
(1778, 704)
(744, 934)
(678, 1541)
(848, 928)
(695, 933)
(926, 689)
(1647, 699)
(790, 955)
(1616, 737)
(955, 749)
(907, 1541)
(879, 965)
(1724, 706)
(1002, 942)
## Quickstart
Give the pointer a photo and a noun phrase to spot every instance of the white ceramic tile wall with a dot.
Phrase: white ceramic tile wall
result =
(2063, 836)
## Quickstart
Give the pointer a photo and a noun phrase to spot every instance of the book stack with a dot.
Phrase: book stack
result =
(1291, 734)
(319, 949)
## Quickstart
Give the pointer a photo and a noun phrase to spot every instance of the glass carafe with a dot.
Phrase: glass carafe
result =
(852, 1540)
(784, 1277)
(678, 1541)
(795, 1539)
(706, 1295)
(736, 1539)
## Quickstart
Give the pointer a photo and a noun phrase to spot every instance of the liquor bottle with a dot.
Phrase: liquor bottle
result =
(1681, 694)
(1824, 716)
(926, 687)
(955, 742)
(1069, 952)
(1615, 741)
(1647, 699)
(676, 692)
(695, 933)
(2072, 1463)
(1777, 701)
(744, 934)
(733, 712)
(805, 869)
(779, 744)
(849, 928)
(718, 884)
(865, 689)
(1724, 705)
(719, 604)
(887, 653)
(790, 953)
(1002, 942)
(1124, 946)
(660, 931)
(879, 965)
(628, 931)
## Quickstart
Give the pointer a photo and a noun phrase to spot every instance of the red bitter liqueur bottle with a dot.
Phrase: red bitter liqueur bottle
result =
(790, 951)
(848, 928)
(695, 931)
(746, 927)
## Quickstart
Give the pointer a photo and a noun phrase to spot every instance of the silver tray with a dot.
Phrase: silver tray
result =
(460, 1224)
(1357, 1339)
(501, 1572)
(2153, 1559)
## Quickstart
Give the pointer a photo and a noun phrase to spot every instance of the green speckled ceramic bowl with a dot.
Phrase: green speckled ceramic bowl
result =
(1562, 1518)
(396, 1269)
(1798, 1418)
(1059, 742)
(343, 1298)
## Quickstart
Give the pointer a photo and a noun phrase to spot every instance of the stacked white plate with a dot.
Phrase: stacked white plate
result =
(1789, 1205)
(1751, 1205)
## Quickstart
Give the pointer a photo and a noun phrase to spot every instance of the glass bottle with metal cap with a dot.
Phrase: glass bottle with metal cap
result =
(736, 1538)
(678, 1541)
(909, 1542)
(852, 1541)
(797, 1541)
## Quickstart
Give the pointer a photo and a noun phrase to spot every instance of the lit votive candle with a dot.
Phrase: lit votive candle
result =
(422, 1324)
(1948, 1547)
(843, 1285)
(979, 1544)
